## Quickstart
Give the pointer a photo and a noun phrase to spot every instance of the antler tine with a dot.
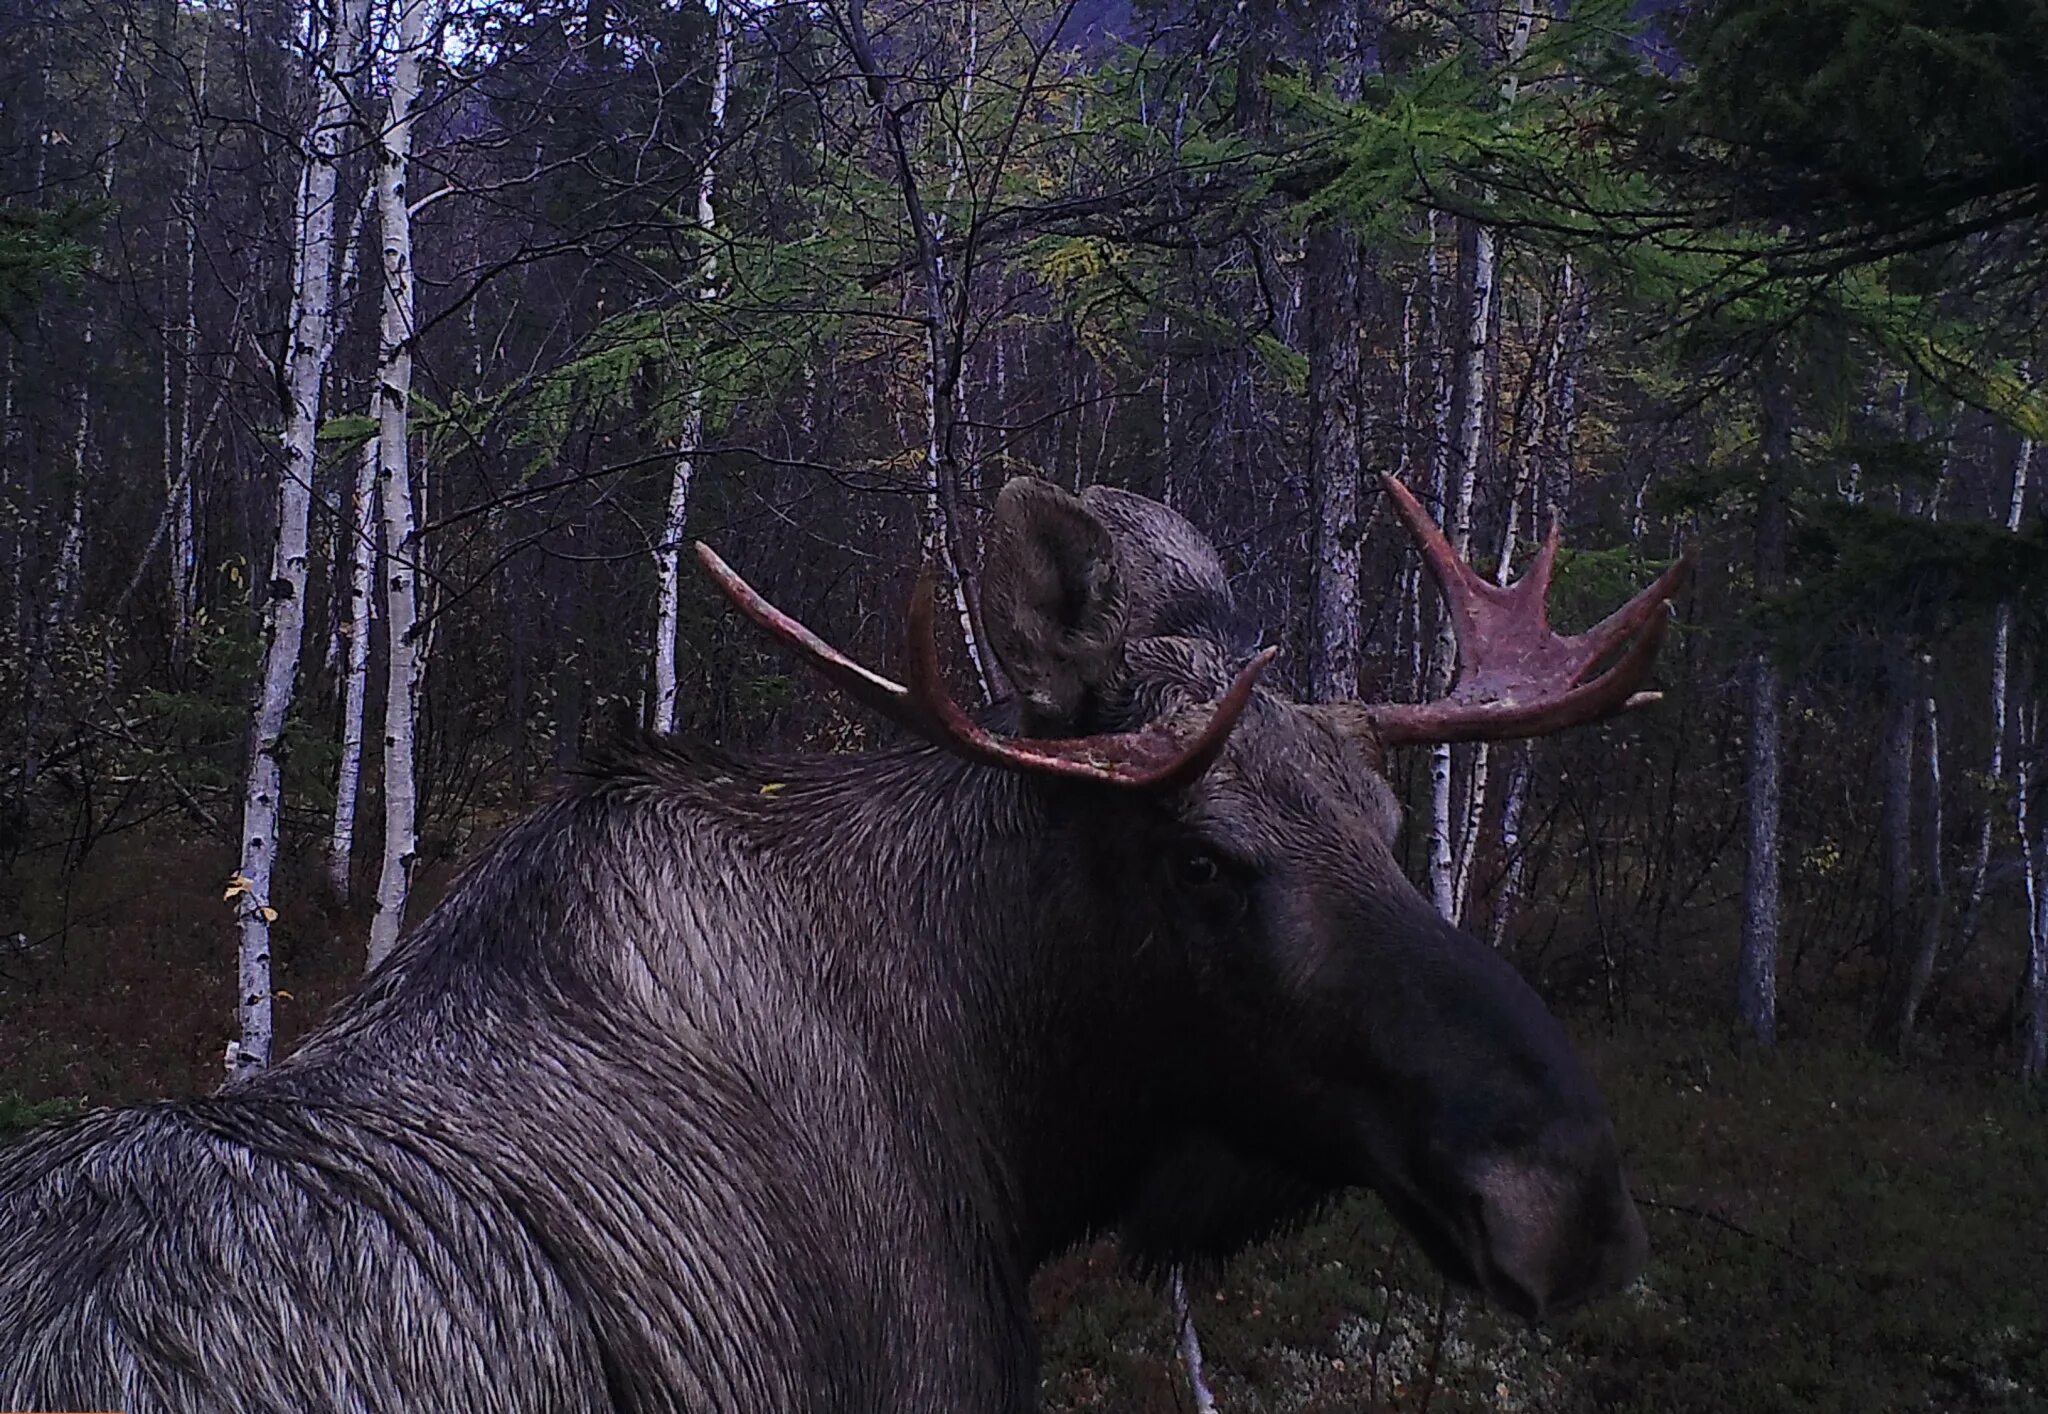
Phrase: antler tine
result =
(1155, 757)
(1506, 719)
(891, 699)
(1535, 580)
(1614, 630)
(1516, 676)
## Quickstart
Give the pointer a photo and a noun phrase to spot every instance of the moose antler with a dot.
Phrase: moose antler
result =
(1516, 677)
(1155, 757)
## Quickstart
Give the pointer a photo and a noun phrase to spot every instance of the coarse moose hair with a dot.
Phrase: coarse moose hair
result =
(764, 1082)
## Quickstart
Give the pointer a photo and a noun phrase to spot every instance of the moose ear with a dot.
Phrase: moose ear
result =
(1053, 600)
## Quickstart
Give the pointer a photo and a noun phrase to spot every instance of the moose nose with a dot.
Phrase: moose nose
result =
(1551, 1236)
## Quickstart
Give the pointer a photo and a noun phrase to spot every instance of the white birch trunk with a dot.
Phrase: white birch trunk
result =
(182, 570)
(284, 614)
(361, 539)
(1934, 890)
(1444, 660)
(2034, 860)
(667, 557)
(355, 564)
(402, 548)
(1190, 1346)
(2001, 652)
(1451, 842)
(349, 547)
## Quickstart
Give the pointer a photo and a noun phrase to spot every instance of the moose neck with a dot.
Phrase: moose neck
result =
(982, 928)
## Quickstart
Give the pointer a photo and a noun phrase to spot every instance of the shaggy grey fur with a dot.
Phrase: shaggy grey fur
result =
(760, 1084)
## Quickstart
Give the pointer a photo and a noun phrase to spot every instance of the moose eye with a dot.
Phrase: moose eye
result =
(1199, 869)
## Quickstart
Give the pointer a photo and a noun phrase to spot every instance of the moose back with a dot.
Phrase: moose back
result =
(756, 1084)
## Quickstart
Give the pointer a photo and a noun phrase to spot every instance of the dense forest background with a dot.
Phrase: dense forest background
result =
(367, 368)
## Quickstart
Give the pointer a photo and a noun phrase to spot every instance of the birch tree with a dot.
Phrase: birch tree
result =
(284, 611)
(1444, 863)
(667, 556)
(406, 666)
(2001, 657)
(1550, 452)
(2032, 822)
(359, 543)
(178, 448)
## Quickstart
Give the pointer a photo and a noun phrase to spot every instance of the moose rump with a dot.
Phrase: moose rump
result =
(763, 1083)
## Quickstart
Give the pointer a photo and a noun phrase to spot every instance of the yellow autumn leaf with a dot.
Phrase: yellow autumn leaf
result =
(282, 995)
(772, 788)
(268, 914)
(237, 884)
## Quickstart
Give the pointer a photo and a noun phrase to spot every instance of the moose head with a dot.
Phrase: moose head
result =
(1332, 1030)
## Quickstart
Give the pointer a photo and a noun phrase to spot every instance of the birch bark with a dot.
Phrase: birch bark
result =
(284, 614)
(1550, 453)
(360, 538)
(355, 562)
(2001, 653)
(404, 629)
(667, 557)
(1445, 867)
(182, 567)
(2034, 860)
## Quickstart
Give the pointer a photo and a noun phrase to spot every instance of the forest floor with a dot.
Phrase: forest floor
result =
(1831, 1230)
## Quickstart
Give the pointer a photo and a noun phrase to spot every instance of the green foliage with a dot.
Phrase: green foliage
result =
(1892, 109)
(1867, 569)
(42, 248)
(348, 431)
(19, 1115)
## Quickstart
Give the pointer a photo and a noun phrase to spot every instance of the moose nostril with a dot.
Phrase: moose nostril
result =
(1547, 1240)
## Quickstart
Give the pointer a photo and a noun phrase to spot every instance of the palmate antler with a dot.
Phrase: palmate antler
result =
(1157, 756)
(1516, 676)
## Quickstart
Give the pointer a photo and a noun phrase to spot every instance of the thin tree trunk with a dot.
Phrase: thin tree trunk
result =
(1332, 280)
(941, 373)
(404, 637)
(667, 566)
(2001, 650)
(182, 570)
(2034, 859)
(355, 563)
(64, 583)
(1756, 984)
(284, 614)
(1895, 835)
(1444, 658)
(1552, 450)
(1449, 864)
(1190, 1347)
(1934, 888)
(360, 536)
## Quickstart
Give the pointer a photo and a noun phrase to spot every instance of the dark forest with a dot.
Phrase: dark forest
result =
(369, 368)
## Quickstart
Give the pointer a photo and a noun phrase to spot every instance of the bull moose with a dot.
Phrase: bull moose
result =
(756, 1083)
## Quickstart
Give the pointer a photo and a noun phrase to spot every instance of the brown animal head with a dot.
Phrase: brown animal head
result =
(1338, 1030)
